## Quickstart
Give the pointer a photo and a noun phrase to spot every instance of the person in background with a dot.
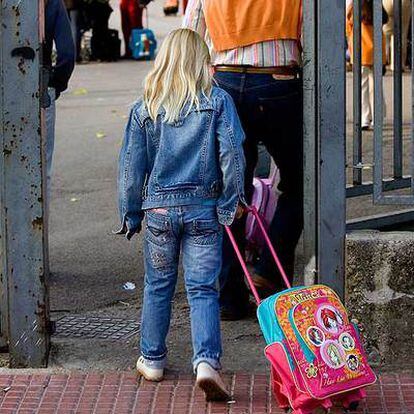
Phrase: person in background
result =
(74, 12)
(98, 13)
(55, 75)
(182, 168)
(406, 14)
(257, 60)
(367, 58)
(131, 18)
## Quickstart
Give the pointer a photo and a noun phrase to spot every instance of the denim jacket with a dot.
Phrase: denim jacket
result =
(196, 160)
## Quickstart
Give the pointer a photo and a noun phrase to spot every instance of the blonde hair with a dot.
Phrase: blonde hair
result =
(180, 75)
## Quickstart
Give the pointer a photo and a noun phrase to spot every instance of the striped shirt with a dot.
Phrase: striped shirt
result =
(264, 54)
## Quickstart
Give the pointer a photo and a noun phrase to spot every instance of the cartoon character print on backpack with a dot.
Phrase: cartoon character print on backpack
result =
(352, 362)
(333, 354)
(330, 319)
(322, 341)
(315, 335)
(347, 342)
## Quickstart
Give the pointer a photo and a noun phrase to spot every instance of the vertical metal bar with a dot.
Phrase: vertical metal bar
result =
(398, 139)
(23, 195)
(331, 135)
(309, 137)
(357, 137)
(378, 100)
(412, 102)
(3, 263)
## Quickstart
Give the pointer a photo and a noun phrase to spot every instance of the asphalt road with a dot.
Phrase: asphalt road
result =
(91, 116)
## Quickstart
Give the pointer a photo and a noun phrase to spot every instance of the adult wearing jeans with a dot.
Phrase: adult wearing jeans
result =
(55, 76)
(257, 60)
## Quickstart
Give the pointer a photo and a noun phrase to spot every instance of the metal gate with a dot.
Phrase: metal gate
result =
(326, 187)
(396, 179)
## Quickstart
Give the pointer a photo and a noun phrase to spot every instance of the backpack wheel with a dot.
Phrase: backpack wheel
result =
(353, 406)
(320, 410)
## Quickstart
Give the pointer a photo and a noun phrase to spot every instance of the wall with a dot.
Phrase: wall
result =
(380, 294)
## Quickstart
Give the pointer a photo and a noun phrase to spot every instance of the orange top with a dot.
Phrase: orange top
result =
(236, 23)
(367, 43)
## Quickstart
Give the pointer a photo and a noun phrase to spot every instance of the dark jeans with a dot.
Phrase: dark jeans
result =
(271, 112)
(75, 26)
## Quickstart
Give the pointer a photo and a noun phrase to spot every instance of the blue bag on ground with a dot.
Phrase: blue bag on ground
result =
(143, 44)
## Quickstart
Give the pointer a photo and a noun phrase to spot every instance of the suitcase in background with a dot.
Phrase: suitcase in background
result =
(143, 44)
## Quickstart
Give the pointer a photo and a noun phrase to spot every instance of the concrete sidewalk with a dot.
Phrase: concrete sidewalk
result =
(122, 393)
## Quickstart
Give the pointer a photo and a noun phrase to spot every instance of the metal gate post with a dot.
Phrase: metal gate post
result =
(309, 139)
(330, 166)
(23, 234)
(3, 282)
(4, 309)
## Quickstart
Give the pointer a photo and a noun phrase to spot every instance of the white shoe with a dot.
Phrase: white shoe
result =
(209, 380)
(150, 374)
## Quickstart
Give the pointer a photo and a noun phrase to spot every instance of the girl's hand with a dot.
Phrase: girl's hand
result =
(239, 212)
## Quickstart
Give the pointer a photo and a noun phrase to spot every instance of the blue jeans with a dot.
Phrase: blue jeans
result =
(75, 27)
(194, 230)
(271, 113)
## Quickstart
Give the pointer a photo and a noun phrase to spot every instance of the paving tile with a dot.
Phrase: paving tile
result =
(122, 393)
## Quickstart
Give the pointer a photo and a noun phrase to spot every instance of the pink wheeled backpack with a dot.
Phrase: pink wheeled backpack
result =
(316, 355)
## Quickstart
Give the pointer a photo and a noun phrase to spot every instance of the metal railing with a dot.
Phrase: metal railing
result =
(396, 180)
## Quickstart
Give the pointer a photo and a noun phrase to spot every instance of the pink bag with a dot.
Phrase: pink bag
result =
(290, 392)
(264, 199)
(315, 352)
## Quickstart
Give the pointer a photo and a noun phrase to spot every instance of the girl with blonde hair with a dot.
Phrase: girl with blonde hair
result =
(182, 169)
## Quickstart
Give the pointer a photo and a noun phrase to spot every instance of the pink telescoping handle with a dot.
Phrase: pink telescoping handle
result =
(243, 265)
(272, 251)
